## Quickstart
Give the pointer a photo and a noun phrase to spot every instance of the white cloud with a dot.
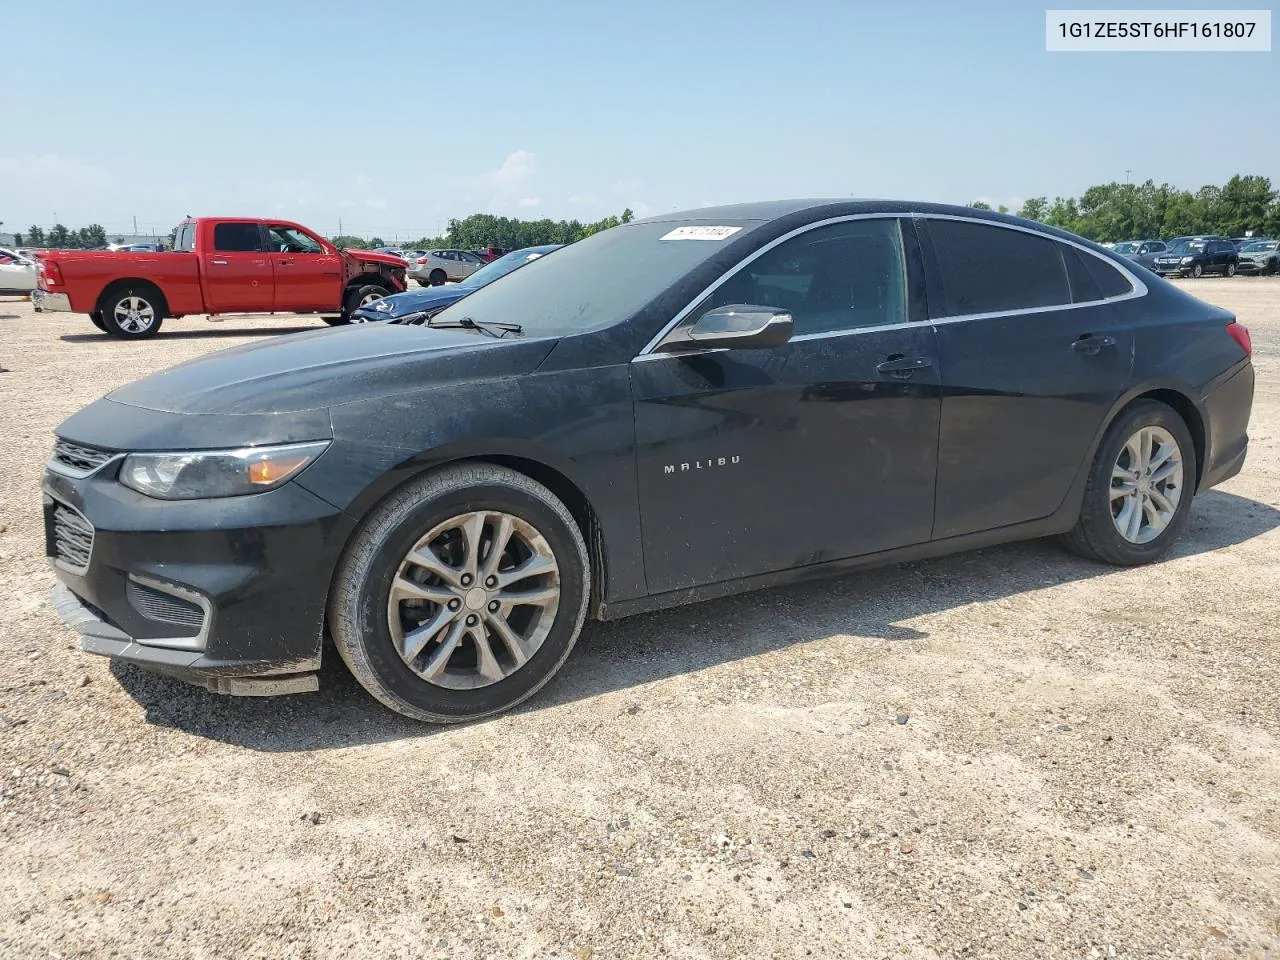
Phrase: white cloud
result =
(515, 170)
(528, 201)
(582, 200)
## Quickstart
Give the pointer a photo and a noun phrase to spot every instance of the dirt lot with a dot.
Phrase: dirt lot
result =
(1008, 753)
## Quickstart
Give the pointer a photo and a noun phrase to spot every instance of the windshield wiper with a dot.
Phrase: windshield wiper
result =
(498, 330)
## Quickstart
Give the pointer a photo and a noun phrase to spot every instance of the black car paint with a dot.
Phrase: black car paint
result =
(785, 463)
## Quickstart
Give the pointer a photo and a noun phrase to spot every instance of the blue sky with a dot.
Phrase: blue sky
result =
(394, 117)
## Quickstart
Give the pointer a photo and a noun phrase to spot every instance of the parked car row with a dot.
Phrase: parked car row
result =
(1196, 256)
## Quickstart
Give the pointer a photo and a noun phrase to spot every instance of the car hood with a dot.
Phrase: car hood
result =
(311, 371)
(415, 301)
(372, 256)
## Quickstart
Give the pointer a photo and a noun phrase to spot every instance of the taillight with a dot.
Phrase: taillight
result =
(1240, 334)
(48, 274)
(422, 260)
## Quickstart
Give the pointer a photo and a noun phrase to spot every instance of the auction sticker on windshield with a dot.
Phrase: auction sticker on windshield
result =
(700, 233)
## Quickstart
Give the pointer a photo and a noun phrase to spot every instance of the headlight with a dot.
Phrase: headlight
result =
(198, 474)
(1187, 259)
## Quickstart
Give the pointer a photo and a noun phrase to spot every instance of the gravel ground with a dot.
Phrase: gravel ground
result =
(1006, 753)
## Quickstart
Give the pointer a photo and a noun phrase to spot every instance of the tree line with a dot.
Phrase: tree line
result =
(485, 230)
(60, 238)
(1140, 211)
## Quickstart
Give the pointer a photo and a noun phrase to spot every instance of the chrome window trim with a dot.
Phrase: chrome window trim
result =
(1139, 289)
(201, 639)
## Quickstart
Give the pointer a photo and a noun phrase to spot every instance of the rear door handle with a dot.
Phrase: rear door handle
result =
(903, 367)
(1091, 346)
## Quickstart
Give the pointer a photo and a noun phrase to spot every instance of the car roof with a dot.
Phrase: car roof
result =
(835, 207)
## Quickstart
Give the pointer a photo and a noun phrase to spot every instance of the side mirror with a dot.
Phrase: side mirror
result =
(737, 326)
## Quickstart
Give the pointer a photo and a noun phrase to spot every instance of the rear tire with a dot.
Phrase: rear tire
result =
(341, 321)
(96, 319)
(1097, 534)
(133, 311)
(445, 658)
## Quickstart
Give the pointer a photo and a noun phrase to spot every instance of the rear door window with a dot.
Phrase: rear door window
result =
(990, 269)
(237, 238)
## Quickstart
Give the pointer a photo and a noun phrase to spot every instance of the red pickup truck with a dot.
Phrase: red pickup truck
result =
(217, 265)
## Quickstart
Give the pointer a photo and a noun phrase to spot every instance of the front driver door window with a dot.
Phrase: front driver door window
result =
(754, 460)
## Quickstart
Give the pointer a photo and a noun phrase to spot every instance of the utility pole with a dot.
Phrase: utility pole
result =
(340, 233)
(1127, 172)
(135, 226)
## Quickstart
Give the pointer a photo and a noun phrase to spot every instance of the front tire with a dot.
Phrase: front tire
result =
(360, 296)
(96, 319)
(1197, 272)
(435, 624)
(1231, 269)
(133, 312)
(1138, 495)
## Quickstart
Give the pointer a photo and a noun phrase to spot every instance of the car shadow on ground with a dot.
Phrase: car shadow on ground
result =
(625, 654)
(99, 336)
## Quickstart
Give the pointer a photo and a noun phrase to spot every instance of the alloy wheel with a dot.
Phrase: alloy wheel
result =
(134, 314)
(1146, 484)
(369, 298)
(473, 600)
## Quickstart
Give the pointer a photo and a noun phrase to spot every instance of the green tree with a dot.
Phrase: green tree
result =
(1244, 204)
(35, 236)
(347, 242)
(17, 239)
(92, 236)
(1063, 213)
(377, 242)
(59, 237)
(979, 205)
(1037, 208)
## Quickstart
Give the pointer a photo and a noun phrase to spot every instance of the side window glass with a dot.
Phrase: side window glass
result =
(839, 277)
(289, 240)
(1084, 289)
(988, 269)
(1111, 282)
(237, 238)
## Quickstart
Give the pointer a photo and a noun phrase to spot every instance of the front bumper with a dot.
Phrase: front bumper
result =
(45, 302)
(229, 593)
(1252, 266)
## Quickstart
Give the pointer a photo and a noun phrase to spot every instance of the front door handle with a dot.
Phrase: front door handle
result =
(1091, 346)
(903, 368)
(218, 263)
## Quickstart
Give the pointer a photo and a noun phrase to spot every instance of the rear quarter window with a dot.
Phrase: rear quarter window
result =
(1110, 281)
(991, 269)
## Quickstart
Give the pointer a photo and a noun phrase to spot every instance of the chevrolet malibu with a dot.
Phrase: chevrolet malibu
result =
(674, 409)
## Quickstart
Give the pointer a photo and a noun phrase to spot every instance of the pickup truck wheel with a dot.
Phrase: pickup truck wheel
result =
(361, 296)
(437, 277)
(96, 319)
(133, 313)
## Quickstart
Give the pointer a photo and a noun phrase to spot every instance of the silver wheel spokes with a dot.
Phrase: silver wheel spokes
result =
(135, 315)
(369, 298)
(474, 600)
(1146, 484)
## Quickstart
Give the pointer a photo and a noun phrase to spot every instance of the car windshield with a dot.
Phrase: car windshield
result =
(1186, 247)
(500, 268)
(1259, 246)
(1125, 248)
(597, 281)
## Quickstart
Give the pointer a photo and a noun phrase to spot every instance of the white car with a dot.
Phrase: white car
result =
(17, 273)
(434, 267)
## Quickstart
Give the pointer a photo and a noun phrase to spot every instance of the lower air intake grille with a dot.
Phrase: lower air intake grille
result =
(157, 605)
(72, 538)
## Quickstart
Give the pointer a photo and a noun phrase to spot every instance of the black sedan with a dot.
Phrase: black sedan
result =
(674, 409)
(416, 306)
